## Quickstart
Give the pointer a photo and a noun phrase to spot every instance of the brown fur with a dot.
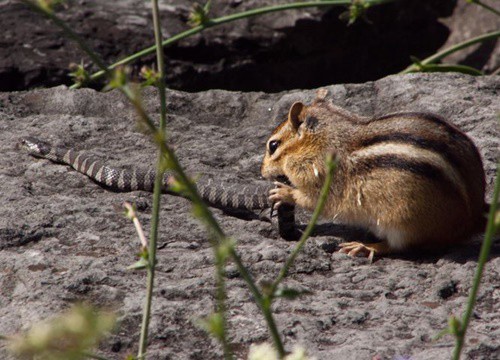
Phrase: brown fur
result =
(413, 179)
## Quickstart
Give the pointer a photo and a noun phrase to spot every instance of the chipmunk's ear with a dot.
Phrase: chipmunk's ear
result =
(294, 115)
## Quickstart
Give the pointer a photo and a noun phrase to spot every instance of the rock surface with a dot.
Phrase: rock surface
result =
(62, 239)
(303, 48)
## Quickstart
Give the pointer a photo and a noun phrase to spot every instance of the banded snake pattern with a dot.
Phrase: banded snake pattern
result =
(215, 193)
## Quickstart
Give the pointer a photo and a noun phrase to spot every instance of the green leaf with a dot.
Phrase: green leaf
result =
(441, 334)
(416, 61)
(177, 187)
(454, 326)
(49, 5)
(452, 68)
(214, 325)
(224, 249)
(139, 265)
(166, 162)
(291, 293)
(444, 68)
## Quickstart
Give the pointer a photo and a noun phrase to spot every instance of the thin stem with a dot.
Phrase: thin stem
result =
(210, 222)
(73, 35)
(266, 308)
(223, 20)
(266, 302)
(487, 7)
(165, 151)
(161, 65)
(442, 54)
(220, 261)
(483, 258)
(153, 236)
(138, 227)
(331, 166)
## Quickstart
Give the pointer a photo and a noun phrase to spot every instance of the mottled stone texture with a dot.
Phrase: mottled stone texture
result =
(62, 239)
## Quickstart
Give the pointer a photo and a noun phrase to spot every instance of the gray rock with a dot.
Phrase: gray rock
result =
(63, 240)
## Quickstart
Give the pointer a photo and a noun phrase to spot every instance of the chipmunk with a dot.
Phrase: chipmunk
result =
(413, 179)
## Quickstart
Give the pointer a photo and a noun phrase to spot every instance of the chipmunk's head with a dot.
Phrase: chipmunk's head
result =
(295, 149)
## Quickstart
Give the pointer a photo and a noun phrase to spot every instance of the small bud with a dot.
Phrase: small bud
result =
(151, 77)
(454, 326)
(79, 74)
(129, 211)
(356, 10)
(118, 79)
(199, 14)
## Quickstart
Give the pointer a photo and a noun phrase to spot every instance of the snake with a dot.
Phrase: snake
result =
(215, 193)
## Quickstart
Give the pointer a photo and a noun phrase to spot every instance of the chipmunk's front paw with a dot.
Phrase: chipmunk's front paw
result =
(281, 194)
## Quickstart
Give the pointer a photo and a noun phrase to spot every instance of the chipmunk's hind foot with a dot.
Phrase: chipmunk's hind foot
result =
(356, 248)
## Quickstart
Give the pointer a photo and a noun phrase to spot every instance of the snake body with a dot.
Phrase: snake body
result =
(215, 193)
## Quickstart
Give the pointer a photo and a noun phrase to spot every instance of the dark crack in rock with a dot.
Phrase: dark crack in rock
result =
(303, 48)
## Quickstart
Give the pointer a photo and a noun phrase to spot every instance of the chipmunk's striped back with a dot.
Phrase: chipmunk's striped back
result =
(426, 146)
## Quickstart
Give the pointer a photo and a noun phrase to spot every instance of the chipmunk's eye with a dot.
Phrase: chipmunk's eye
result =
(273, 145)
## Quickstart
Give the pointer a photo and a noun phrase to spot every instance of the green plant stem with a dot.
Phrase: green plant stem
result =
(450, 68)
(220, 281)
(152, 246)
(331, 165)
(487, 7)
(442, 54)
(266, 301)
(214, 228)
(161, 65)
(483, 258)
(153, 237)
(49, 14)
(159, 137)
(216, 231)
(223, 20)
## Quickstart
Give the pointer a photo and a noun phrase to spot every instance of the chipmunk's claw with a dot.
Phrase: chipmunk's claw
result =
(282, 193)
(355, 248)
